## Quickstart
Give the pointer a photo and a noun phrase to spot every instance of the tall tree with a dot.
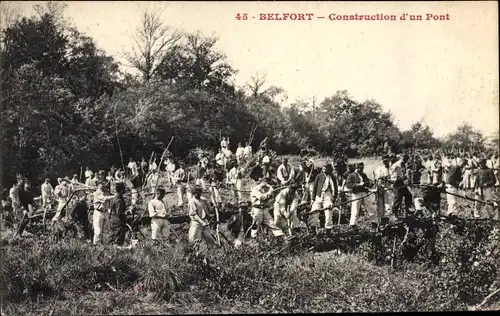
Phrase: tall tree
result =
(152, 42)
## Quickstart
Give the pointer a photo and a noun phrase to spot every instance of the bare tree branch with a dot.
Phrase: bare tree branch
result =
(152, 41)
(257, 80)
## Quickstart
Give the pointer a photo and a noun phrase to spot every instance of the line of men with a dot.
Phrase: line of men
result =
(304, 184)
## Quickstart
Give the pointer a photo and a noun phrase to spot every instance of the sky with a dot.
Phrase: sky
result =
(443, 73)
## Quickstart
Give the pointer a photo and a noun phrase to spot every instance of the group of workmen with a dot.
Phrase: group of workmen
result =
(286, 189)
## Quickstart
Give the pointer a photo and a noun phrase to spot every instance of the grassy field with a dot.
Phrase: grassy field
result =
(44, 275)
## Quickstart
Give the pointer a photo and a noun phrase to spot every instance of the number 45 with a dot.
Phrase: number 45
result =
(241, 16)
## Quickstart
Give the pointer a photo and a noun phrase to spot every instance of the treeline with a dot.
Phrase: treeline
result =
(67, 105)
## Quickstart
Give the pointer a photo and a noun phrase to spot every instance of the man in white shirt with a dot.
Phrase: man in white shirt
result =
(159, 212)
(223, 143)
(47, 194)
(100, 217)
(401, 191)
(132, 165)
(153, 165)
(247, 152)
(198, 210)
(265, 164)
(152, 180)
(235, 181)
(285, 172)
(219, 158)
(258, 196)
(170, 167)
(180, 179)
(88, 173)
(62, 193)
(240, 153)
(383, 176)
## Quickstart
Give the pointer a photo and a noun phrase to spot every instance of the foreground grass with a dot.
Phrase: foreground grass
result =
(74, 278)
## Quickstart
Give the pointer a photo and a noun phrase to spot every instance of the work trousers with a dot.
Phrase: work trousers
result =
(323, 201)
(452, 200)
(118, 230)
(400, 194)
(356, 206)
(197, 232)
(181, 194)
(100, 220)
(160, 228)
(262, 217)
(482, 210)
(467, 178)
(215, 194)
(60, 206)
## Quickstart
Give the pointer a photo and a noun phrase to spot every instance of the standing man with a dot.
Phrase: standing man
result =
(14, 194)
(117, 219)
(132, 166)
(285, 172)
(170, 167)
(88, 173)
(100, 217)
(219, 158)
(311, 172)
(180, 179)
(400, 189)
(258, 196)
(231, 180)
(153, 166)
(216, 179)
(247, 153)
(198, 210)
(358, 183)
(265, 164)
(200, 175)
(240, 154)
(325, 193)
(159, 212)
(453, 185)
(62, 193)
(47, 194)
(144, 167)
(483, 186)
(153, 180)
(383, 176)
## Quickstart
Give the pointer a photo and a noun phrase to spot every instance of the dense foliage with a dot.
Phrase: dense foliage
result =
(67, 105)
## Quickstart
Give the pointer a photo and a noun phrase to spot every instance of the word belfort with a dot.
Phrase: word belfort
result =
(345, 17)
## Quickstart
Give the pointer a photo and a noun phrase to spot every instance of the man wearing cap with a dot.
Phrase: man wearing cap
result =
(483, 186)
(265, 164)
(159, 212)
(325, 193)
(200, 175)
(100, 217)
(358, 183)
(285, 205)
(117, 218)
(62, 193)
(401, 191)
(47, 194)
(285, 172)
(216, 178)
(198, 210)
(258, 197)
(180, 179)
